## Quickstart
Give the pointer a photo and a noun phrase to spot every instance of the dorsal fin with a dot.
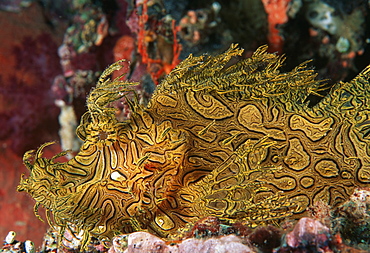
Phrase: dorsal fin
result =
(348, 98)
(257, 77)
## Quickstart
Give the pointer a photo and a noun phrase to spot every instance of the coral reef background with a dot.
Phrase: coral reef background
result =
(51, 53)
(29, 60)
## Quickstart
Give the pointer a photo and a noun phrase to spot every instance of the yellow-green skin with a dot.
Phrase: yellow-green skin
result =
(220, 137)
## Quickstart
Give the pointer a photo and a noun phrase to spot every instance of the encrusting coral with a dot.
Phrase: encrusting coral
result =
(222, 136)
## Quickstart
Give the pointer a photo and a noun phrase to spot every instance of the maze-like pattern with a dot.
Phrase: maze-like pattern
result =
(234, 141)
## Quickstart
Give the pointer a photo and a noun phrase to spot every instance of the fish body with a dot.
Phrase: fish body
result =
(219, 137)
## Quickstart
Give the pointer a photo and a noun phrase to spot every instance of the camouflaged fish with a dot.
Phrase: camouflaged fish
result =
(220, 137)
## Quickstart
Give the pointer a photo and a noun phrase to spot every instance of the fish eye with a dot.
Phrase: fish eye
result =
(116, 176)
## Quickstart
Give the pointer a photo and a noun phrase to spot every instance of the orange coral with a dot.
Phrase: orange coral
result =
(123, 49)
(276, 15)
(169, 58)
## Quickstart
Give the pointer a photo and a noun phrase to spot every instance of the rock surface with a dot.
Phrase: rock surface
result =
(145, 242)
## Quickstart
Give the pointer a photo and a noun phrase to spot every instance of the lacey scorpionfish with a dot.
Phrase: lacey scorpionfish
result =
(234, 139)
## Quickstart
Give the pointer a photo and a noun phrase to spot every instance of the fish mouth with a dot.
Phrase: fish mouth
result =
(23, 184)
(21, 188)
